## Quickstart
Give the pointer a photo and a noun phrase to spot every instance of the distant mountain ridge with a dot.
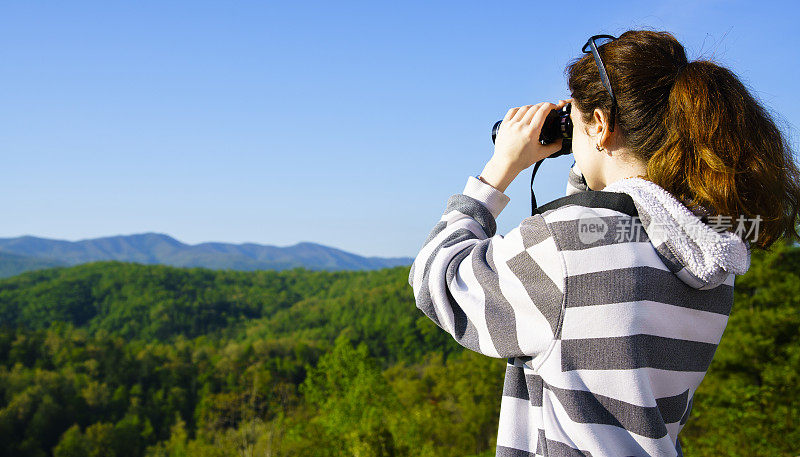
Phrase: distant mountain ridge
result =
(29, 252)
(13, 264)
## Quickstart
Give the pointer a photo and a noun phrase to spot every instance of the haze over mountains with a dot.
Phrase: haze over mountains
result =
(30, 253)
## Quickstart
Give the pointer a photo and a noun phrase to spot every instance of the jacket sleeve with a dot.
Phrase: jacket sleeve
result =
(497, 295)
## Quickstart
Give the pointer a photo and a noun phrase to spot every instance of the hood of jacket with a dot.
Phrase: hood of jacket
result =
(702, 256)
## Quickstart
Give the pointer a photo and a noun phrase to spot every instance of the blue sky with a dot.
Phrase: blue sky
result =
(343, 123)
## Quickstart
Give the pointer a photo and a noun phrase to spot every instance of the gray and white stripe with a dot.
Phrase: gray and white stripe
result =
(605, 342)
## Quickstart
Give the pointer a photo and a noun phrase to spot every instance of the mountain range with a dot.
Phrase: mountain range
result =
(31, 253)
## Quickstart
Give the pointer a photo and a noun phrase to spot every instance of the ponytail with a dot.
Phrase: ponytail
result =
(704, 137)
(723, 151)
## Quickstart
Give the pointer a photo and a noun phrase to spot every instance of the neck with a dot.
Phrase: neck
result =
(620, 165)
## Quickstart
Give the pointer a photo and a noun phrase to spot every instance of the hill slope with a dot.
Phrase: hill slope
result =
(153, 361)
(154, 248)
(13, 264)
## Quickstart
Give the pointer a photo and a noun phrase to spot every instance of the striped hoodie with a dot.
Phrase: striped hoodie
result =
(608, 306)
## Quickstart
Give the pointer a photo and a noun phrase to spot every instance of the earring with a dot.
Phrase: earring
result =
(598, 147)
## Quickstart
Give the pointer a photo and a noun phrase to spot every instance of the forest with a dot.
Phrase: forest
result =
(115, 359)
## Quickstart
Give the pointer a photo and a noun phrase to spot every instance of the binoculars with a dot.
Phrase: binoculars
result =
(557, 125)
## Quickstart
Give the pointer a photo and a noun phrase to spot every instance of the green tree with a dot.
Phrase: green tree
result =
(72, 444)
(352, 398)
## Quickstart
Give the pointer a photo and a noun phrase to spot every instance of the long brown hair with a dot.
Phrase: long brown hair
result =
(704, 137)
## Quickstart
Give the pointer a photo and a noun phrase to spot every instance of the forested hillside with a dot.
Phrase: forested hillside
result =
(115, 359)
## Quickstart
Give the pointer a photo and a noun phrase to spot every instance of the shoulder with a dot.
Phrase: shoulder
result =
(586, 219)
(614, 201)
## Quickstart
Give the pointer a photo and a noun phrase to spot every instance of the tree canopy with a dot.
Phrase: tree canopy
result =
(116, 359)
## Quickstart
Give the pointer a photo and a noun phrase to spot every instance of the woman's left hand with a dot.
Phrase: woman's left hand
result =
(517, 142)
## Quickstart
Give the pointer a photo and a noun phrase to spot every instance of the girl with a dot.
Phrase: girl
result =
(609, 303)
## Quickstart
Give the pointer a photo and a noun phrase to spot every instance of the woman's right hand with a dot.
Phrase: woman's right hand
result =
(517, 143)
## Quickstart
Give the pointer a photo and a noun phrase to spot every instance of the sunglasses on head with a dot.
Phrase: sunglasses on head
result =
(591, 46)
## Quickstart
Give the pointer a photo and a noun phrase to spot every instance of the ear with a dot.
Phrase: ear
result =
(601, 127)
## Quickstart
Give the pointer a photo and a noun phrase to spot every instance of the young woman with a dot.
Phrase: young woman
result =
(609, 303)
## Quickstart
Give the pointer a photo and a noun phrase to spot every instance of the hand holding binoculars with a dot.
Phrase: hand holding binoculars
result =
(557, 125)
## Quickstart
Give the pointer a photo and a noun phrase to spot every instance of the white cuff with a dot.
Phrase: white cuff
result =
(492, 199)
